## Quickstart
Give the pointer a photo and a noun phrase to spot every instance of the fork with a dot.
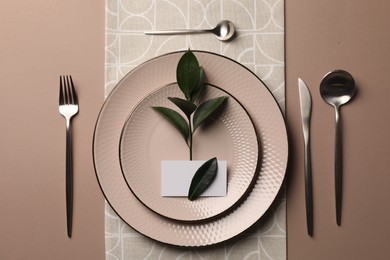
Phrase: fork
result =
(68, 108)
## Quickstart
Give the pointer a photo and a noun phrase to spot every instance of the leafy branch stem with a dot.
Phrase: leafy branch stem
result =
(190, 136)
(190, 78)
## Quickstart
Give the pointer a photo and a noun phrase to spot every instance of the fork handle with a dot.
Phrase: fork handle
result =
(69, 180)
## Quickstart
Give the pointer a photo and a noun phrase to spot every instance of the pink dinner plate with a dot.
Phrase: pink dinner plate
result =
(266, 116)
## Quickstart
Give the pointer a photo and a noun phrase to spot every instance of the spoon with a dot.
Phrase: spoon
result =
(337, 88)
(224, 31)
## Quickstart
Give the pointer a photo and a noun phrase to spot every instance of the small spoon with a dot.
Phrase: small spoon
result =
(337, 88)
(224, 31)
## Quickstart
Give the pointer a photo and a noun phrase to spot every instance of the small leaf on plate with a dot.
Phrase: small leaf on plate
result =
(206, 109)
(175, 119)
(197, 91)
(203, 178)
(186, 106)
(187, 73)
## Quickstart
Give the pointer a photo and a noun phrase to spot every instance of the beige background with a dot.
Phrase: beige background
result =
(354, 36)
(43, 39)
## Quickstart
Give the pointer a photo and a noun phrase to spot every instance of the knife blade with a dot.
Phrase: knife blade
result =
(305, 105)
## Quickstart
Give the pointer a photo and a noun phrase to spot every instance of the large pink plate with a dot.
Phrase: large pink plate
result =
(260, 105)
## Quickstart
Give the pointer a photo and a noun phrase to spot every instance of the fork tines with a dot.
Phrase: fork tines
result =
(67, 94)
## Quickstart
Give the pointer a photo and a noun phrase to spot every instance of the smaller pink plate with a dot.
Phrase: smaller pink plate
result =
(147, 139)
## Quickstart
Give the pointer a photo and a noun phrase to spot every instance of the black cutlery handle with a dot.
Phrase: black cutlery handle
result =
(308, 188)
(338, 167)
(69, 180)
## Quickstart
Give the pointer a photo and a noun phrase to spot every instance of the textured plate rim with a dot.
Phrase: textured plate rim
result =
(240, 197)
(285, 159)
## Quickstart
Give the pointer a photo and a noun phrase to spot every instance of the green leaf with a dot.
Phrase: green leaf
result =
(187, 73)
(186, 106)
(206, 109)
(197, 91)
(203, 178)
(175, 119)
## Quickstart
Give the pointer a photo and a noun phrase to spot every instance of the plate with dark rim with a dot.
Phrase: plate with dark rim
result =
(266, 116)
(147, 139)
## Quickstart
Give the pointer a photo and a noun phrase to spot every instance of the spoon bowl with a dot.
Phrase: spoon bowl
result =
(337, 88)
(224, 31)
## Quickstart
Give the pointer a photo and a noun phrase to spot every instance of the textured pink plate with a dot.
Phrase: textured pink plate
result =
(266, 116)
(147, 139)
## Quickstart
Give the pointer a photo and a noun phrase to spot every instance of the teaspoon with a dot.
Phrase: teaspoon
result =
(337, 88)
(224, 31)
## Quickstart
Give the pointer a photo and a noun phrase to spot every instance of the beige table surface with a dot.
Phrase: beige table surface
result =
(42, 39)
(354, 36)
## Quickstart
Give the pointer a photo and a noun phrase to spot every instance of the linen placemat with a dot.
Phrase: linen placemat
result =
(259, 45)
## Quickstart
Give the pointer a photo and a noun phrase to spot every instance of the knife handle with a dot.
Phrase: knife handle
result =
(308, 186)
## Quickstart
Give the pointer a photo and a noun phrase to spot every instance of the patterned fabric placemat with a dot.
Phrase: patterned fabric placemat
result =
(259, 45)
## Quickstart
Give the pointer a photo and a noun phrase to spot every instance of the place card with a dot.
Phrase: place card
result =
(176, 178)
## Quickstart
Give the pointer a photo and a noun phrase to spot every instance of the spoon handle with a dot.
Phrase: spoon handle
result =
(338, 166)
(177, 32)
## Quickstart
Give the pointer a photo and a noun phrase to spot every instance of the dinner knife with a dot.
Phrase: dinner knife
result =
(305, 104)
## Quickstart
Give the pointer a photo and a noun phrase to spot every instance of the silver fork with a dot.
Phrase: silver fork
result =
(68, 107)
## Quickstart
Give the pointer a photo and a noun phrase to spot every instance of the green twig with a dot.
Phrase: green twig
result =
(190, 136)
